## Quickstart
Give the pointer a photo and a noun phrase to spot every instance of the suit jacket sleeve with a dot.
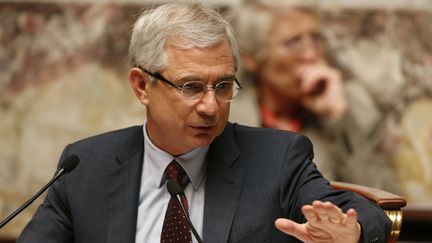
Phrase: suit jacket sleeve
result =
(52, 222)
(303, 184)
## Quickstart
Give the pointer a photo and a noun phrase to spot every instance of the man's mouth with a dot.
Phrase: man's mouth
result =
(203, 129)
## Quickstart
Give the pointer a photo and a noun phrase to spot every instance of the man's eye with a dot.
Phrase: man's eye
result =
(193, 86)
(224, 85)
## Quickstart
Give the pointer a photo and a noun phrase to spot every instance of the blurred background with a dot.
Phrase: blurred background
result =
(63, 76)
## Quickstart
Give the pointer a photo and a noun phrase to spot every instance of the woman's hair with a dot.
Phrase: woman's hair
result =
(182, 25)
(253, 20)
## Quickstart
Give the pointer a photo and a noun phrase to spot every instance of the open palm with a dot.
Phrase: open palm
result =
(325, 223)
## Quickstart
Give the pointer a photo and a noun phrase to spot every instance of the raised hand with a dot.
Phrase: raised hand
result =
(325, 223)
(322, 90)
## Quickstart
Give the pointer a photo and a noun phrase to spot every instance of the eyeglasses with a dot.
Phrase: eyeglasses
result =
(194, 90)
(298, 44)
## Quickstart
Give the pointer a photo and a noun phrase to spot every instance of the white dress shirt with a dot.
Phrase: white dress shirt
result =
(154, 197)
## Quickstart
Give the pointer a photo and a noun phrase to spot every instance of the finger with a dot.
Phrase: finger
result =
(292, 228)
(310, 214)
(351, 218)
(315, 79)
(319, 209)
(314, 84)
(335, 214)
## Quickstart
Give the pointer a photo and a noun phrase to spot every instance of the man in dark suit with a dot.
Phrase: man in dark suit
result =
(241, 184)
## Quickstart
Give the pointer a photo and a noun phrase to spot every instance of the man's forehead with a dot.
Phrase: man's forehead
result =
(178, 42)
(218, 54)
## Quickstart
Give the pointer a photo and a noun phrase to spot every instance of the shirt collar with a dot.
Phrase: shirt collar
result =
(193, 162)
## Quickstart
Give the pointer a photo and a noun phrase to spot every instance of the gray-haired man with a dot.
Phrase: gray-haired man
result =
(240, 181)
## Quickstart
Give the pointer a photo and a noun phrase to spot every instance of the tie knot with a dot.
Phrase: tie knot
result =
(175, 172)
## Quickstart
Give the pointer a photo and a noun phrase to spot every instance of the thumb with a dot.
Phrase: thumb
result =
(292, 228)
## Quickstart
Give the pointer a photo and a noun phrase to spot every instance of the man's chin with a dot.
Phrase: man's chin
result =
(204, 136)
(203, 139)
(196, 143)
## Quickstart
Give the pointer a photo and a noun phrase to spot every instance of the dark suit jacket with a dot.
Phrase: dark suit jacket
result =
(253, 177)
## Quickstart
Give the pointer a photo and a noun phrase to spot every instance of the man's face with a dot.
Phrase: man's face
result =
(176, 124)
(293, 41)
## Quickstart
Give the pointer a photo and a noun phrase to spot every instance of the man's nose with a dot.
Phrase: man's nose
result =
(208, 105)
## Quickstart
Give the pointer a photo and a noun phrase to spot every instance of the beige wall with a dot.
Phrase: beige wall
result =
(327, 4)
(63, 76)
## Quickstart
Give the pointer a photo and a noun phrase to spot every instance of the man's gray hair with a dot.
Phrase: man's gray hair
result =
(193, 24)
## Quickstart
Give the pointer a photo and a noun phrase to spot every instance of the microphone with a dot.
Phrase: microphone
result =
(176, 191)
(67, 165)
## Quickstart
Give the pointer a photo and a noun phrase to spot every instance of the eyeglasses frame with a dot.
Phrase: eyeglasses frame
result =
(159, 76)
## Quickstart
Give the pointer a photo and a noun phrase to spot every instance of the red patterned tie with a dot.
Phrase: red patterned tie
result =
(175, 228)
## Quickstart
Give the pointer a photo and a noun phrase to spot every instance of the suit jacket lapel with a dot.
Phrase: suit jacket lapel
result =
(223, 186)
(123, 184)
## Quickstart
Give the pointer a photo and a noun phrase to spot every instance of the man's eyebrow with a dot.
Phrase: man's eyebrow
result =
(189, 78)
(226, 77)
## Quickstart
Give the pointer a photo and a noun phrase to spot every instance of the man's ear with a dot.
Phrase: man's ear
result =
(250, 62)
(140, 83)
